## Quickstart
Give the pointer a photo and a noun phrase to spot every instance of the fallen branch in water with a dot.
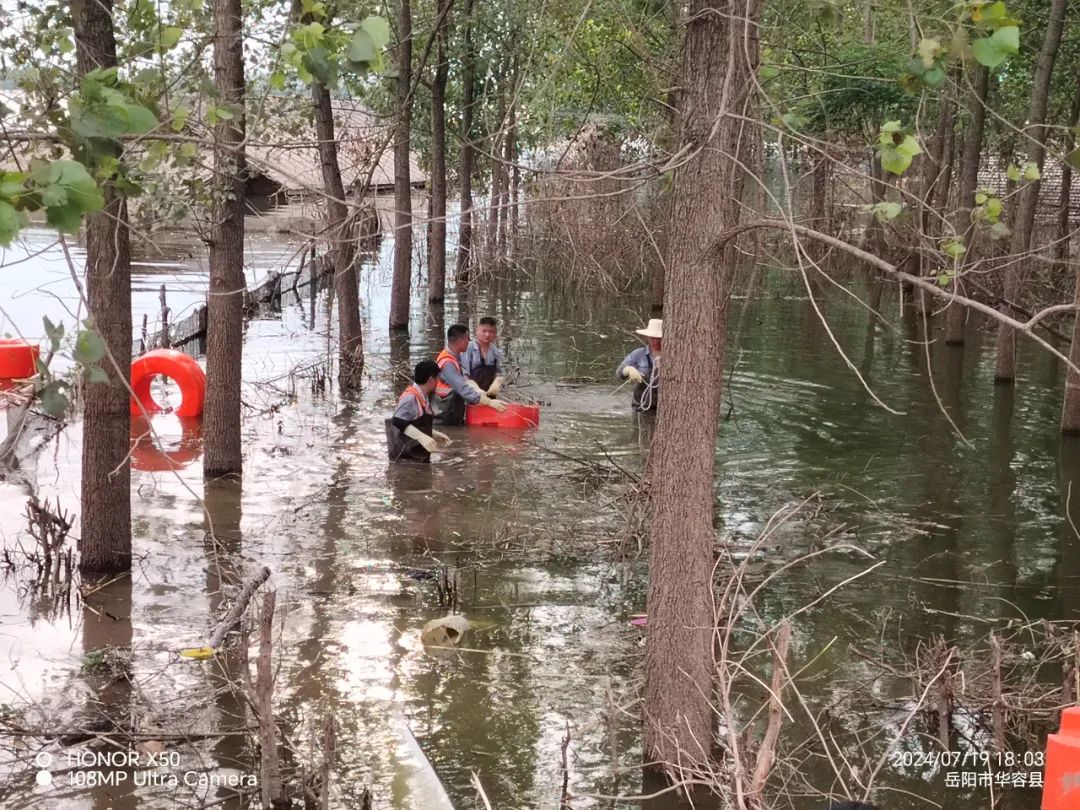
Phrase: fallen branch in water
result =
(236, 612)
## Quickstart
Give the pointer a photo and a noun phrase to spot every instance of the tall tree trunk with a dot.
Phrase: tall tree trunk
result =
(343, 248)
(719, 59)
(498, 170)
(1070, 412)
(1065, 200)
(956, 316)
(105, 538)
(509, 156)
(1005, 369)
(222, 454)
(437, 232)
(399, 293)
(468, 100)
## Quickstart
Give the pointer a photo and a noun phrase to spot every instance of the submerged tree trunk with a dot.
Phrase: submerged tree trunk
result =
(399, 293)
(1005, 369)
(1070, 412)
(222, 451)
(105, 538)
(956, 316)
(719, 60)
(437, 231)
(468, 100)
(343, 249)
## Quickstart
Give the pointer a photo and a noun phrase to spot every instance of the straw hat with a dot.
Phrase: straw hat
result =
(655, 329)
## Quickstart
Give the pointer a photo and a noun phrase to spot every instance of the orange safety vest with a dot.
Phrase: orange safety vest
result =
(418, 395)
(442, 389)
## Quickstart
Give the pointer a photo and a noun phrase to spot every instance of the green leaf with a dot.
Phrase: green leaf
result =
(180, 119)
(11, 221)
(891, 126)
(766, 72)
(894, 161)
(887, 210)
(96, 374)
(1031, 172)
(378, 29)
(909, 146)
(277, 80)
(993, 209)
(89, 347)
(981, 198)
(954, 248)
(1007, 39)
(1074, 158)
(999, 230)
(988, 13)
(362, 48)
(53, 399)
(170, 35)
(944, 277)
(991, 51)
(1013, 172)
(54, 332)
(934, 77)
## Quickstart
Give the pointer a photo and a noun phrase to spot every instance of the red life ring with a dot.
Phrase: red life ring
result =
(18, 359)
(182, 368)
(146, 455)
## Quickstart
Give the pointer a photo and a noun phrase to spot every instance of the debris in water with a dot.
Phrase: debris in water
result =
(444, 632)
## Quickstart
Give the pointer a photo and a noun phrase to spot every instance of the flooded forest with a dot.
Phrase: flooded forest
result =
(457, 405)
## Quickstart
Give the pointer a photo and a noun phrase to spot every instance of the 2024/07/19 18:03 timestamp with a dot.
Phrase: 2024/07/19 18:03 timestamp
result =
(967, 759)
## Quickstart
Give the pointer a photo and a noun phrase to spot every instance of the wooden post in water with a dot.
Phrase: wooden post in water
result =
(163, 336)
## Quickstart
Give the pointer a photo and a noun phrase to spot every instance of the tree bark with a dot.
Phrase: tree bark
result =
(1070, 412)
(342, 250)
(399, 293)
(437, 232)
(105, 537)
(1005, 369)
(956, 316)
(509, 156)
(1065, 199)
(222, 453)
(719, 59)
(468, 100)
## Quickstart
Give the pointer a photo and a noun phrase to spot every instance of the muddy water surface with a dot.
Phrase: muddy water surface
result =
(532, 530)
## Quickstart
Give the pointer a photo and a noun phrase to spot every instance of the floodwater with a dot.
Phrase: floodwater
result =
(536, 533)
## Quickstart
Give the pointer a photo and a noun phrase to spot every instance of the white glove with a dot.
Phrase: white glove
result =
(475, 386)
(441, 437)
(492, 403)
(633, 375)
(425, 441)
(495, 387)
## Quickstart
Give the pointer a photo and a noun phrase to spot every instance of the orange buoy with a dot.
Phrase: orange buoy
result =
(18, 359)
(182, 368)
(147, 456)
(1061, 781)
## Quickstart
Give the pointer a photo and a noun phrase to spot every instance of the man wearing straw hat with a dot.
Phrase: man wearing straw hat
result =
(642, 367)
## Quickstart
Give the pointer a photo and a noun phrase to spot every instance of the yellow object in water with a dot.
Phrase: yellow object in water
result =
(197, 652)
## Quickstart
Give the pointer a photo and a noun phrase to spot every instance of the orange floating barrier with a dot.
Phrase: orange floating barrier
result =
(517, 415)
(1061, 780)
(18, 359)
(182, 368)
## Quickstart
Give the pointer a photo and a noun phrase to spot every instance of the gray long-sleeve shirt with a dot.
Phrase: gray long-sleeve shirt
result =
(450, 375)
(473, 358)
